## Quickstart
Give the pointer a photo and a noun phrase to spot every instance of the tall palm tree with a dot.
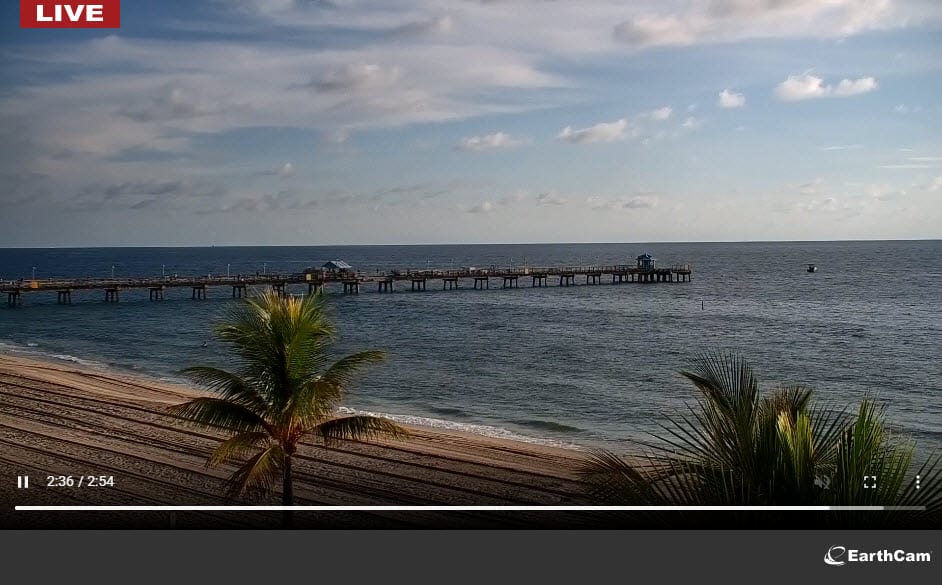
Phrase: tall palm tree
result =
(738, 447)
(285, 387)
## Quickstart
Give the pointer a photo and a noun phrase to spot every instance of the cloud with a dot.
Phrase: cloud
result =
(841, 147)
(483, 207)
(641, 202)
(846, 87)
(656, 30)
(907, 109)
(355, 77)
(909, 166)
(142, 194)
(286, 170)
(811, 187)
(807, 86)
(550, 198)
(661, 114)
(686, 23)
(337, 136)
(690, 122)
(936, 184)
(729, 99)
(917, 162)
(439, 25)
(496, 141)
(599, 203)
(602, 132)
(826, 205)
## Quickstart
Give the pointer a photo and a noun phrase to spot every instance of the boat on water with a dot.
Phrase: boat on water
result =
(812, 268)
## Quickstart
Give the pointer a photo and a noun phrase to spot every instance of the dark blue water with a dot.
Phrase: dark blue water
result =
(586, 365)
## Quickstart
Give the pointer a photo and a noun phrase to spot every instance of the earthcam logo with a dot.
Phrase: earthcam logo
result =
(47, 14)
(839, 555)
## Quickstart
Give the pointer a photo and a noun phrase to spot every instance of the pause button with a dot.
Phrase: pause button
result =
(22, 482)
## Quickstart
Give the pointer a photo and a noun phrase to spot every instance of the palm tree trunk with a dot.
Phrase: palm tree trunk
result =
(287, 493)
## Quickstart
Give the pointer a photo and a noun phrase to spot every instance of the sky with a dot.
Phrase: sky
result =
(308, 122)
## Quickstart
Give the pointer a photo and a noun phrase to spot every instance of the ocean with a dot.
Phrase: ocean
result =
(584, 366)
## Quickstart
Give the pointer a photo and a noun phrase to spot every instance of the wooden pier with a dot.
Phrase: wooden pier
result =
(350, 280)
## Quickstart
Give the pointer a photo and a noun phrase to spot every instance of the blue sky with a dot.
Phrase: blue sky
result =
(404, 121)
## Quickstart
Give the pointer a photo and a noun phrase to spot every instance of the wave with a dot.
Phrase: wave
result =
(548, 425)
(31, 349)
(448, 411)
(485, 430)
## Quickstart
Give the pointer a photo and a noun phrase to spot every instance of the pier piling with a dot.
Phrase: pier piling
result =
(644, 272)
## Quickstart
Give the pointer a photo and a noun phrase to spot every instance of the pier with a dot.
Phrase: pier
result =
(349, 280)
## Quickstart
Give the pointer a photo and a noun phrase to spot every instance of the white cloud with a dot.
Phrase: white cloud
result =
(807, 86)
(936, 184)
(483, 207)
(439, 25)
(811, 187)
(641, 202)
(498, 140)
(910, 166)
(602, 132)
(650, 30)
(841, 147)
(661, 114)
(703, 21)
(729, 99)
(846, 87)
(599, 203)
(358, 76)
(337, 136)
(286, 170)
(826, 205)
(550, 198)
(907, 109)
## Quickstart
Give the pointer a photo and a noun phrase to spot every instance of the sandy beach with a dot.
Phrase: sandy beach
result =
(61, 419)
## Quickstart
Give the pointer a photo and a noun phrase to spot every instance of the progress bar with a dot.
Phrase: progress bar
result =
(468, 508)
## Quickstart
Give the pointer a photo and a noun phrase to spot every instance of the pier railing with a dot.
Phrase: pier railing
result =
(350, 279)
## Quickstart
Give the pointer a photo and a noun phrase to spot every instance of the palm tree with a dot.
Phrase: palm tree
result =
(738, 447)
(285, 388)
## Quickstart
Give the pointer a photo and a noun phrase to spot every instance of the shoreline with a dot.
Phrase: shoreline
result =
(31, 353)
(62, 419)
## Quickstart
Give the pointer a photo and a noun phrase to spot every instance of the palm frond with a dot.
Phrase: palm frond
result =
(217, 412)
(238, 446)
(260, 473)
(229, 386)
(318, 396)
(357, 427)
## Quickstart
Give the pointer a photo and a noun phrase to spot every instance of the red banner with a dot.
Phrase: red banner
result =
(47, 14)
